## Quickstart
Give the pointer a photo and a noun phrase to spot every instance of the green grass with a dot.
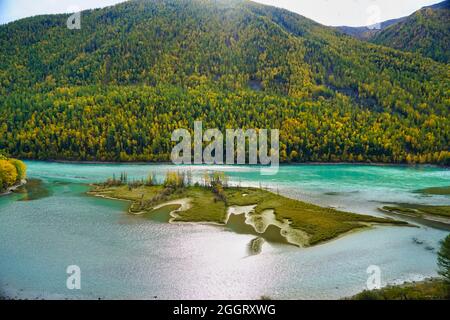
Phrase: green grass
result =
(443, 191)
(320, 224)
(434, 289)
(205, 206)
(419, 210)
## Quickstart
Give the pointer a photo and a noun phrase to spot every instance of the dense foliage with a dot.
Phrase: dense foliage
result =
(116, 89)
(12, 172)
(427, 32)
(444, 260)
(135, 123)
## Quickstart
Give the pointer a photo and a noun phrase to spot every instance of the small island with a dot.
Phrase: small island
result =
(266, 215)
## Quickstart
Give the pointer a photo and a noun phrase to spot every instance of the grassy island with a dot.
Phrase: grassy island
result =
(259, 212)
(442, 191)
(438, 216)
(434, 213)
(419, 210)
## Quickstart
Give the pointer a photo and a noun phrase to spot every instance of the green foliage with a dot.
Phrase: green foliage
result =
(426, 290)
(443, 191)
(444, 260)
(21, 169)
(117, 88)
(135, 124)
(321, 224)
(151, 180)
(427, 32)
(175, 180)
(217, 182)
(419, 210)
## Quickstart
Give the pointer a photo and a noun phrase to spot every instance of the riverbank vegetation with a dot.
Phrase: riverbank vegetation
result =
(210, 201)
(442, 191)
(432, 289)
(12, 173)
(419, 210)
(433, 213)
(444, 261)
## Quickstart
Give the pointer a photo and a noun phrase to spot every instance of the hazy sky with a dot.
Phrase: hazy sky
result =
(328, 12)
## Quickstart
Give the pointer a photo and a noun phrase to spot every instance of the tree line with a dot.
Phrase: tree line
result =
(118, 123)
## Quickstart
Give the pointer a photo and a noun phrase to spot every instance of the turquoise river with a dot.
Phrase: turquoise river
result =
(54, 224)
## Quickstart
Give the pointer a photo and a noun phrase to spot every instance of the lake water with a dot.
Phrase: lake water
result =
(121, 256)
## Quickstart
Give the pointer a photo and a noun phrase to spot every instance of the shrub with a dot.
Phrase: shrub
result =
(174, 180)
(151, 180)
(21, 169)
(8, 174)
(444, 259)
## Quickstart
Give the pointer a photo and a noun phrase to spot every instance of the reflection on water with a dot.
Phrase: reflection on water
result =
(241, 223)
(121, 256)
(34, 189)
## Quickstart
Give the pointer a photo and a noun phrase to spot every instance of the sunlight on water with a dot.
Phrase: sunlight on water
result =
(122, 256)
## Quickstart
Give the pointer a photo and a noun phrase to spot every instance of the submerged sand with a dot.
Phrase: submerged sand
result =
(243, 219)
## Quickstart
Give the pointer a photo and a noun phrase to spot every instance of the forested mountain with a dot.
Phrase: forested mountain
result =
(367, 32)
(116, 88)
(427, 31)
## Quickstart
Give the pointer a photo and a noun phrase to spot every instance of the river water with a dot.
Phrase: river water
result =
(56, 225)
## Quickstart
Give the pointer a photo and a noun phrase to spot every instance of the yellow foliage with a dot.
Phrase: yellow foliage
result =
(8, 174)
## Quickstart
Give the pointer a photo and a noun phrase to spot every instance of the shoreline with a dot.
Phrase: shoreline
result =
(437, 222)
(294, 236)
(408, 290)
(284, 164)
(13, 188)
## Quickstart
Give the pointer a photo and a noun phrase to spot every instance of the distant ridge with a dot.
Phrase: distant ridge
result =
(425, 31)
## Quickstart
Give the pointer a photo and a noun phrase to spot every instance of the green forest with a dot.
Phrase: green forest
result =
(427, 32)
(116, 89)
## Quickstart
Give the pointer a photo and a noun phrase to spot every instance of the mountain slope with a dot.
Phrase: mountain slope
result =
(116, 89)
(366, 33)
(427, 32)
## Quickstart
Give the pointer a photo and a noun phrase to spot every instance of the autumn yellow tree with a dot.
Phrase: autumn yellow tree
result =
(8, 174)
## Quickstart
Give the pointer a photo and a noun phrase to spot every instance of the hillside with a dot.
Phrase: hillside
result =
(427, 32)
(367, 32)
(116, 89)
